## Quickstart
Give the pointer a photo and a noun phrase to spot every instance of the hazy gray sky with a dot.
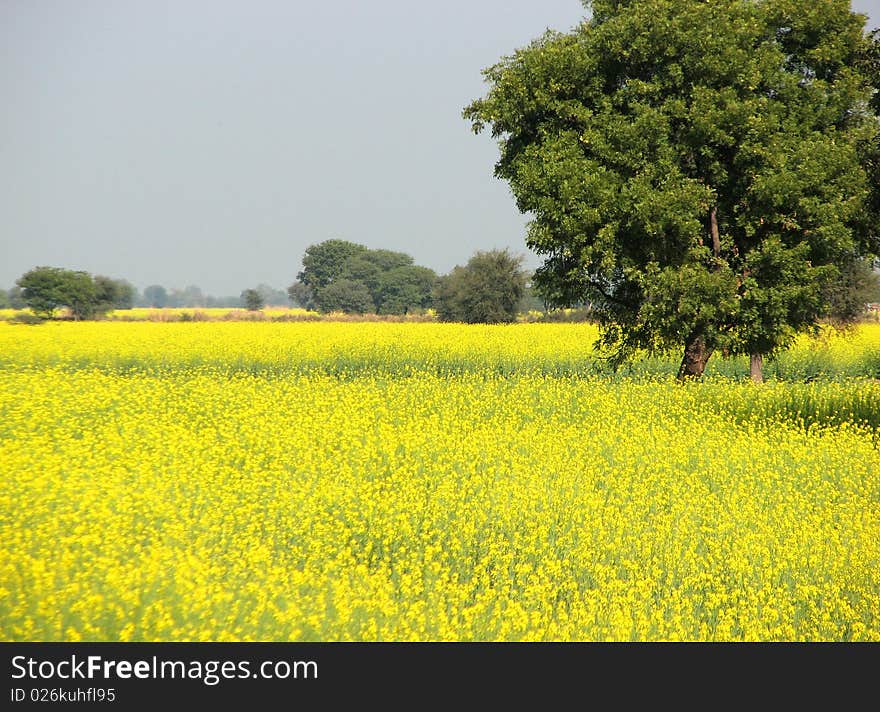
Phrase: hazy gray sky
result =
(210, 142)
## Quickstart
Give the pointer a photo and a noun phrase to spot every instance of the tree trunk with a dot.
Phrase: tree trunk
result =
(756, 368)
(713, 229)
(696, 356)
(696, 352)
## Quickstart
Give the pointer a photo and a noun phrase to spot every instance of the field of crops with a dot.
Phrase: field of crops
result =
(331, 481)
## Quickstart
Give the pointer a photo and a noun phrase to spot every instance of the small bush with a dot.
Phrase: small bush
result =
(26, 318)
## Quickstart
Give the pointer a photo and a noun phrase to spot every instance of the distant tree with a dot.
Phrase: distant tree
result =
(5, 302)
(486, 290)
(192, 296)
(394, 284)
(859, 285)
(81, 295)
(45, 289)
(42, 289)
(404, 289)
(156, 296)
(872, 286)
(272, 296)
(223, 302)
(531, 300)
(16, 299)
(252, 300)
(126, 294)
(105, 292)
(346, 295)
(113, 293)
(372, 269)
(325, 262)
(301, 296)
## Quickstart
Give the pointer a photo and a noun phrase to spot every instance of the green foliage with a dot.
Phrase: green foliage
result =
(26, 319)
(404, 289)
(361, 268)
(80, 295)
(531, 300)
(487, 290)
(859, 284)
(324, 262)
(45, 289)
(393, 284)
(869, 150)
(631, 137)
(384, 260)
(346, 295)
(252, 300)
(301, 296)
(42, 289)
(5, 302)
(113, 293)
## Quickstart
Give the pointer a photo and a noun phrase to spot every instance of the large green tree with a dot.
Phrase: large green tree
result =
(695, 170)
(45, 289)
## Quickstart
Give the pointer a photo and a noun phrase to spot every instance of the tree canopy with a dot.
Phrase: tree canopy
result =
(346, 295)
(338, 275)
(252, 300)
(404, 289)
(324, 262)
(700, 172)
(487, 290)
(113, 293)
(45, 289)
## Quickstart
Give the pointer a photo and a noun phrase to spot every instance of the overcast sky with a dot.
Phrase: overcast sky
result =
(210, 142)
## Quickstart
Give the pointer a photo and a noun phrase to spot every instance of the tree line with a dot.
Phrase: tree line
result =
(337, 276)
(343, 276)
(47, 289)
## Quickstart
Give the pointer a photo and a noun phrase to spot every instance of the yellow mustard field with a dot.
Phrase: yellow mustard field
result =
(326, 481)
